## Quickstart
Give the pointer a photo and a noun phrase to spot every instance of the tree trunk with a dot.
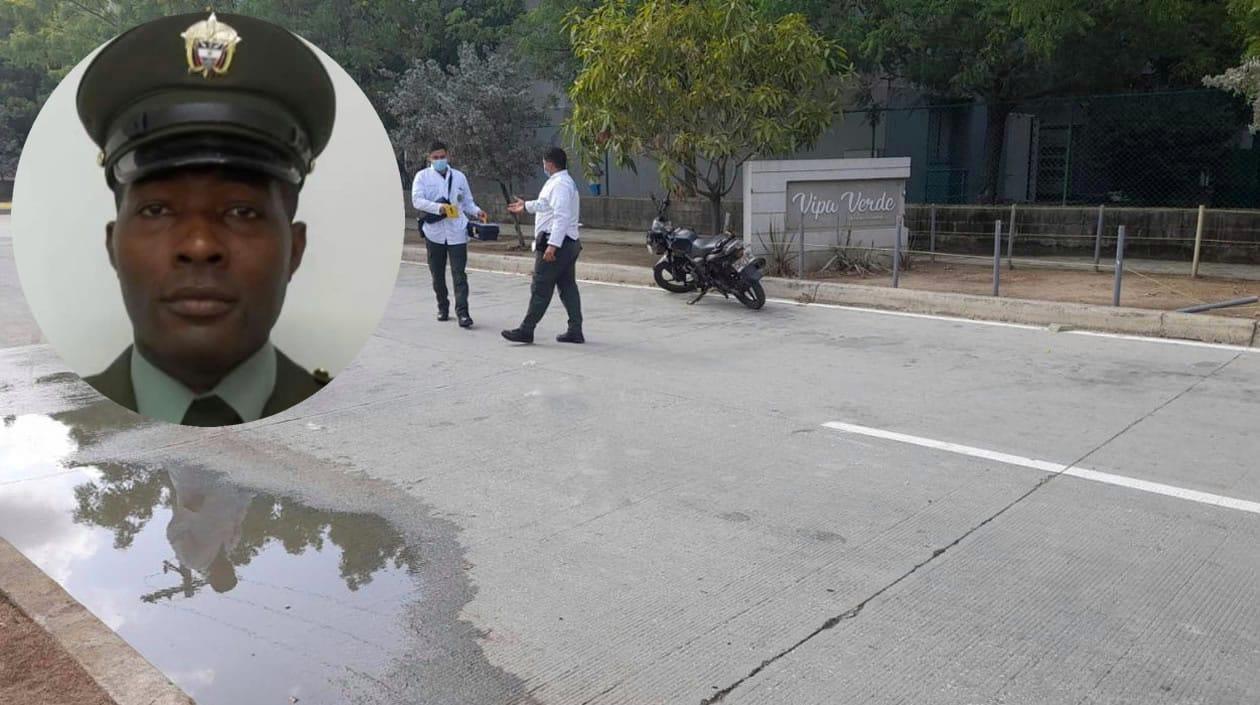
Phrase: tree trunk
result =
(717, 191)
(690, 171)
(994, 139)
(507, 198)
(715, 205)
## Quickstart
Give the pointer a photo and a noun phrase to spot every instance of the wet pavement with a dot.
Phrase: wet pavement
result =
(663, 516)
(236, 593)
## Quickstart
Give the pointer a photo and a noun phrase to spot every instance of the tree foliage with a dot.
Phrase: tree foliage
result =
(706, 81)
(483, 108)
(373, 40)
(1244, 79)
(542, 41)
(1004, 52)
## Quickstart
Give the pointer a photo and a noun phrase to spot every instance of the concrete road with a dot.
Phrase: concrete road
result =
(996, 514)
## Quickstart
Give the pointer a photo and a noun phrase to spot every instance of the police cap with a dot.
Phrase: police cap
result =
(207, 90)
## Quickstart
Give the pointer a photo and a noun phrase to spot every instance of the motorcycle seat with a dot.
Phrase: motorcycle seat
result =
(705, 245)
(688, 241)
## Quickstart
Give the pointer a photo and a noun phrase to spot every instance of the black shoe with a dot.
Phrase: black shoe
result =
(465, 321)
(443, 316)
(573, 336)
(519, 336)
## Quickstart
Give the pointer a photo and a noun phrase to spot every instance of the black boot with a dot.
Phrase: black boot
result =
(443, 315)
(465, 321)
(572, 336)
(519, 335)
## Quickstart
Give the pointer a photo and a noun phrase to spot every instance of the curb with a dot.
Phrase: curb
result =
(118, 669)
(1130, 321)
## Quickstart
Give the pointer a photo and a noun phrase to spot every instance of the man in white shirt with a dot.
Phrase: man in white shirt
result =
(556, 249)
(444, 199)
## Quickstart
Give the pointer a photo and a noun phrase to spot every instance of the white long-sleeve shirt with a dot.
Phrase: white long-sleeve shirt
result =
(427, 188)
(557, 209)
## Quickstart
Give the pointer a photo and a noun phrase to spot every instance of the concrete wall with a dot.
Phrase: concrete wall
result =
(765, 204)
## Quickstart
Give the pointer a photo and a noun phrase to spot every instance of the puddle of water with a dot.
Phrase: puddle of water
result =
(235, 594)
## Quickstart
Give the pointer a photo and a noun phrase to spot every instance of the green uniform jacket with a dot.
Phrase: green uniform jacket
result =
(293, 384)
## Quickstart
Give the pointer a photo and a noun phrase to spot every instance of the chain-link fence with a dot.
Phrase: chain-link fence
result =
(1170, 259)
(1155, 149)
(1171, 149)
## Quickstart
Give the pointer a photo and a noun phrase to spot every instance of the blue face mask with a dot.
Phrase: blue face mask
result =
(440, 164)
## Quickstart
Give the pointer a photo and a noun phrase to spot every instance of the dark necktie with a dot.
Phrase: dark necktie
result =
(210, 411)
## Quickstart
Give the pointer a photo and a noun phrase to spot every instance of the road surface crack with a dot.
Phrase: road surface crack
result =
(857, 610)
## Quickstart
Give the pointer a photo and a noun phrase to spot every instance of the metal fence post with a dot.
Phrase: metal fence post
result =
(1010, 245)
(897, 254)
(1067, 158)
(1098, 231)
(997, 255)
(800, 272)
(932, 242)
(1115, 296)
(1198, 241)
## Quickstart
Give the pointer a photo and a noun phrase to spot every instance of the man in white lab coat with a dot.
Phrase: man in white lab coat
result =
(556, 250)
(442, 196)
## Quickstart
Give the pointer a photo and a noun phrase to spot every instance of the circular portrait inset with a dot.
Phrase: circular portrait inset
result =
(207, 220)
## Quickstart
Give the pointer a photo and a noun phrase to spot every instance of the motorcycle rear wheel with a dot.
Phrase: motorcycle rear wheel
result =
(753, 295)
(663, 274)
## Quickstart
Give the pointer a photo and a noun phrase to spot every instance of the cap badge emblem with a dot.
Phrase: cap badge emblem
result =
(209, 46)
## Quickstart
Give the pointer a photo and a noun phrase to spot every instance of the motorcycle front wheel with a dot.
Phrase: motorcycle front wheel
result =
(752, 295)
(664, 276)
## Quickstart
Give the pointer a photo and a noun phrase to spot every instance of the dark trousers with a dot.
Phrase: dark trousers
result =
(548, 276)
(458, 256)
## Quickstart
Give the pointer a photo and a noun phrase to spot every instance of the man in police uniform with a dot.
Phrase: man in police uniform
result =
(444, 199)
(208, 127)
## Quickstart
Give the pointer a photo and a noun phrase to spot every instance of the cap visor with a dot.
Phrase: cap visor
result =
(201, 152)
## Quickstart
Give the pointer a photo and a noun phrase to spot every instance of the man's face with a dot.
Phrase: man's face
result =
(203, 259)
(438, 155)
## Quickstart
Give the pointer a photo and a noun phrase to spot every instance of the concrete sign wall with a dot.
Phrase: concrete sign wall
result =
(830, 201)
(827, 205)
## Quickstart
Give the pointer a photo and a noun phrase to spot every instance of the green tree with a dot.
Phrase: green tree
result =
(711, 82)
(483, 108)
(373, 40)
(541, 40)
(1245, 78)
(1004, 52)
(40, 41)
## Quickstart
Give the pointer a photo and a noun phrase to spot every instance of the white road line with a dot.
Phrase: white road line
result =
(907, 314)
(927, 316)
(1055, 468)
(1167, 341)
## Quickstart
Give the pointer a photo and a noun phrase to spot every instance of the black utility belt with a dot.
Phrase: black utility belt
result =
(547, 236)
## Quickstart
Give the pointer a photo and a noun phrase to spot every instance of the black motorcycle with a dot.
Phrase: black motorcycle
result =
(690, 262)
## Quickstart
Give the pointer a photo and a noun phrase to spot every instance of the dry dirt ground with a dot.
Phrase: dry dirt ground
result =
(1159, 291)
(34, 670)
(1164, 292)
